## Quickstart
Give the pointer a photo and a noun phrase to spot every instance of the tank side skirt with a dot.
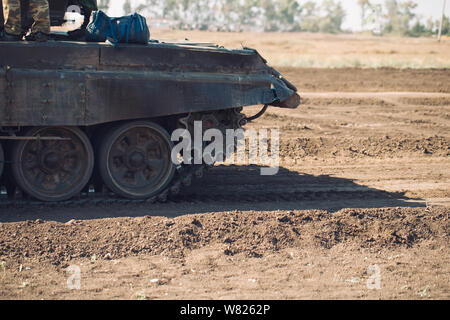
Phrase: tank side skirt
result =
(76, 98)
(41, 98)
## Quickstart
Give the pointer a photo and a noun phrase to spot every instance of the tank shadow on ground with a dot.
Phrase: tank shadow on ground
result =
(228, 188)
(244, 186)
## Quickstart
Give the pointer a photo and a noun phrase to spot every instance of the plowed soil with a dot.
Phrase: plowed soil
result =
(363, 185)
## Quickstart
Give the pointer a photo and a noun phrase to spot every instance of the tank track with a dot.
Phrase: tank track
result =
(184, 178)
(184, 175)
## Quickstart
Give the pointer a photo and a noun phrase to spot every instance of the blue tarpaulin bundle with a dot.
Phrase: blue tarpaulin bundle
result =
(128, 29)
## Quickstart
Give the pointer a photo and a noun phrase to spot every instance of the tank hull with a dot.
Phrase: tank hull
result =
(95, 119)
(83, 84)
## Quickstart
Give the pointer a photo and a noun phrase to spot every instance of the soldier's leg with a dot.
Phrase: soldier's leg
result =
(12, 17)
(2, 21)
(40, 12)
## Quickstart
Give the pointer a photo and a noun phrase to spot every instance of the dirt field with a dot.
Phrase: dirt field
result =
(364, 186)
(312, 50)
(361, 199)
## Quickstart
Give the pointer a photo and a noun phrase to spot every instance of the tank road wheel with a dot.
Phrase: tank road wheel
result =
(53, 170)
(134, 160)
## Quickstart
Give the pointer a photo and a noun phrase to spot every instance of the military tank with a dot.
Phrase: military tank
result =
(88, 117)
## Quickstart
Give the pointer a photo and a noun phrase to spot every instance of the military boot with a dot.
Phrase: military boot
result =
(4, 36)
(38, 37)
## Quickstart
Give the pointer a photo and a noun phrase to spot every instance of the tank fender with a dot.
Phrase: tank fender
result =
(284, 96)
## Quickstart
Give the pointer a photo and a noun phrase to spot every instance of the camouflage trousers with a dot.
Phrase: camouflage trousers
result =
(2, 21)
(38, 9)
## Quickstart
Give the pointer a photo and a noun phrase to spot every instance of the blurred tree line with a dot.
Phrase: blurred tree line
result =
(398, 17)
(393, 16)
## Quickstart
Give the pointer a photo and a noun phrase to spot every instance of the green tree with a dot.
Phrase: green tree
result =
(391, 16)
(374, 17)
(445, 26)
(103, 4)
(289, 12)
(364, 5)
(310, 17)
(334, 17)
(407, 15)
(247, 13)
(399, 16)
